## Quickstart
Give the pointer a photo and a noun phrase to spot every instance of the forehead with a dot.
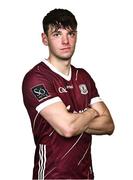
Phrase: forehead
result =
(60, 28)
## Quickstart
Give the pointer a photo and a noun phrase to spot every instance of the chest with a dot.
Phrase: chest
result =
(74, 93)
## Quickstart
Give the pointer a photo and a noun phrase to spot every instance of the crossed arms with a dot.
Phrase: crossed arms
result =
(95, 120)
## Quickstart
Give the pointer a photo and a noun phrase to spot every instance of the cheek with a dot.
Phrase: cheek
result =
(53, 46)
(73, 42)
(54, 43)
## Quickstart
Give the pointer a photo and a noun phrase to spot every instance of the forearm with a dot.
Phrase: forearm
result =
(103, 124)
(65, 123)
(93, 123)
(100, 125)
(70, 124)
(80, 121)
(95, 132)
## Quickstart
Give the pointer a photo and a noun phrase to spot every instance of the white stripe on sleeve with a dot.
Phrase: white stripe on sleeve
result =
(47, 103)
(95, 100)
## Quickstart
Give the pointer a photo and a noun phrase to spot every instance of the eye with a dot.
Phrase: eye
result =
(57, 34)
(72, 33)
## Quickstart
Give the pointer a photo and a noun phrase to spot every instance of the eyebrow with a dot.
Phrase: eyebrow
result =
(55, 31)
(69, 30)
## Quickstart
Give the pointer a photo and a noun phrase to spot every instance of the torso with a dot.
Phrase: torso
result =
(64, 158)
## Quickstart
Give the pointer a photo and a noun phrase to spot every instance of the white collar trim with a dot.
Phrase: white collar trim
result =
(53, 68)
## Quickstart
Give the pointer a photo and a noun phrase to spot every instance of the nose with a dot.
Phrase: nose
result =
(65, 39)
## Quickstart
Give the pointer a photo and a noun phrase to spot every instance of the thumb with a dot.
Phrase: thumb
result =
(68, 107)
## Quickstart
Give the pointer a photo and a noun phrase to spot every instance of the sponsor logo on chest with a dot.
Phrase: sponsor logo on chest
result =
(83, 89)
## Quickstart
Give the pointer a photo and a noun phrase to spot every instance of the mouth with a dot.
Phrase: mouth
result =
(65, 48)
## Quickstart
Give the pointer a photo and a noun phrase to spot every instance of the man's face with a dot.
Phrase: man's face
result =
(61, 42)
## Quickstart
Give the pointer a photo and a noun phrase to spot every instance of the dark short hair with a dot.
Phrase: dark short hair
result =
(58, 18)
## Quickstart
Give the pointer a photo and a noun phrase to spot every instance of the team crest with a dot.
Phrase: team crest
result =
(83, 89)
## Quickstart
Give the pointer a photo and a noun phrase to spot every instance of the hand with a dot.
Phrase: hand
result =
(92, 112)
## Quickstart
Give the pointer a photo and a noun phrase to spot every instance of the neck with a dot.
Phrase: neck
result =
(62, 65)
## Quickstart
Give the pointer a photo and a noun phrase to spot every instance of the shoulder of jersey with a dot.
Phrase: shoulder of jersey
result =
(80, 70)
(39, 68)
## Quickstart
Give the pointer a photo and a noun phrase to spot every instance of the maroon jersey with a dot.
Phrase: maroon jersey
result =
(57, 157)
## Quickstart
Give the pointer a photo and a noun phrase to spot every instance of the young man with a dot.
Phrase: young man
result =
(64, 105)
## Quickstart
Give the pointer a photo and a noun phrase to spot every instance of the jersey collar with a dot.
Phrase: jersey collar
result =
(53, 68)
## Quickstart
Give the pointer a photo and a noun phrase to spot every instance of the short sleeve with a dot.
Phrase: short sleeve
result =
(94, 95)
(38, 91)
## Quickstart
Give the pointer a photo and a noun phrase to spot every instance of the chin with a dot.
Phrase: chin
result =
(65, 58)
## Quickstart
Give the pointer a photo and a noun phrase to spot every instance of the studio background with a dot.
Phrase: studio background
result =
(104, 48)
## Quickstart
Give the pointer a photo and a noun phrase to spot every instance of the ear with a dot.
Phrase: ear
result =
(44, 39)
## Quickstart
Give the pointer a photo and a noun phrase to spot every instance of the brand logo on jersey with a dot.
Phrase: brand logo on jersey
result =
(69, 87)
(62, 90)
(40, 92)
(83, 89)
